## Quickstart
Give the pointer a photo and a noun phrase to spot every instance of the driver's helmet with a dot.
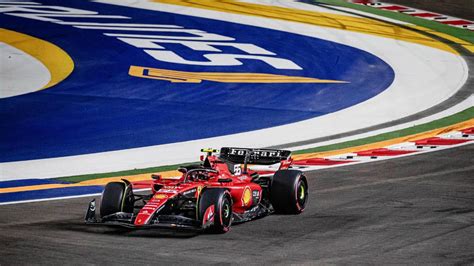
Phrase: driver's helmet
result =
(202, 176)
(198, 175)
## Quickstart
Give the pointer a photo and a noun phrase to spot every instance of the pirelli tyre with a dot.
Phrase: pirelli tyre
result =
(289, 191)
(116, 197)
(214, 210)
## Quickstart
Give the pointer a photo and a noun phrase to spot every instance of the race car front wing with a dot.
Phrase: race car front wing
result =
(126, 220)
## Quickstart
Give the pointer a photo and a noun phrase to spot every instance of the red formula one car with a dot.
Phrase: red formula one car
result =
(209, 196)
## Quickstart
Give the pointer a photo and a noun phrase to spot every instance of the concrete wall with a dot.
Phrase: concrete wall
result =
(457, 8)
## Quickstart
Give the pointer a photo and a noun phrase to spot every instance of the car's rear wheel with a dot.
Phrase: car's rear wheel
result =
(289, 191)
(116, 197)
(215, 210)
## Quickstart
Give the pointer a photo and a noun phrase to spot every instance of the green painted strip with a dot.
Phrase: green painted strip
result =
(443, 122)
(460, 33)
(79, 178)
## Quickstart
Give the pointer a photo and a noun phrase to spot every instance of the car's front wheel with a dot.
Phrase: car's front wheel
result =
(116, 197)
(215, 209)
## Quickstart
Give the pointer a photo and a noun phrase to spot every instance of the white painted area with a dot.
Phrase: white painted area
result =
(20, 73)
(50, 199)
(19, 2)
(424, 77)
(132, 25)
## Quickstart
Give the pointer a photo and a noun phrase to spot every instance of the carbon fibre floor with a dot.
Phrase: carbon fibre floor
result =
(418, 209)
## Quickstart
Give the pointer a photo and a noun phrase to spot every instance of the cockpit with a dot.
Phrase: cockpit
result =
(197, 173)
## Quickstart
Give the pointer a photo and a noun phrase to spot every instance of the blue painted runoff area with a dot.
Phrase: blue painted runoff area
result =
(49, 193)
(100, 107)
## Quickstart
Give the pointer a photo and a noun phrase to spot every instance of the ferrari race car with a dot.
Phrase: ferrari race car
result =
(210, 196)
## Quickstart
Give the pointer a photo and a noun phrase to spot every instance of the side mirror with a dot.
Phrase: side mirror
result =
(156, 176)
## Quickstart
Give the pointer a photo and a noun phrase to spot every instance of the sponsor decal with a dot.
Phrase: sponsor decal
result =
(198, 192)
(168, 190)
(160, 196)
(256, 153)
(92, 206)
(208, 217)
(189, 192)
(209, 214)
(255, 197)
(242, 177)
(246, 196)
(237, 170)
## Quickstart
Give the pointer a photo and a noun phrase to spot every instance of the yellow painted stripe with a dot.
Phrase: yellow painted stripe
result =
(37, 187)
(469, 46)
(198, 77)
(131, 178)
(440, 34)
(93, 182)
(361, 25)
(56, 60)
(381, 144)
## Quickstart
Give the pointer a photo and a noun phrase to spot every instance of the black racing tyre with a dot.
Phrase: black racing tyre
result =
(222, 201)
(289, 191)
(116, 197)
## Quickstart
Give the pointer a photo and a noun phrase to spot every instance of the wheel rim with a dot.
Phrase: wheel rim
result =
(226, 213)
(302, 193)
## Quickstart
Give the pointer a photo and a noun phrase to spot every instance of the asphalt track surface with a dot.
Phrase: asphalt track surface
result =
(412, 210)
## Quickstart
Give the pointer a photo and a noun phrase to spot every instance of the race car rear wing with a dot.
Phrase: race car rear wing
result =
(254, 156)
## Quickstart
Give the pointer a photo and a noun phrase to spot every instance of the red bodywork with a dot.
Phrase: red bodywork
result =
(245, 194)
